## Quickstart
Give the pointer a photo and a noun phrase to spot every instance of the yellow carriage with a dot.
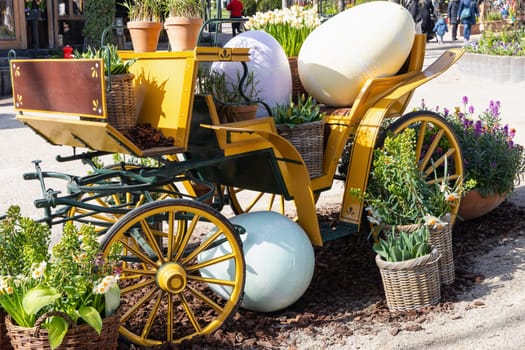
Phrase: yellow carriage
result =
(154, 212)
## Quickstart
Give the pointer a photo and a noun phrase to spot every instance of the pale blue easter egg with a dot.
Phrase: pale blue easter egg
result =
(279, 261)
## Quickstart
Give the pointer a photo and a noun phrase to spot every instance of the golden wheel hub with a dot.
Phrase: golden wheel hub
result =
(171, 278)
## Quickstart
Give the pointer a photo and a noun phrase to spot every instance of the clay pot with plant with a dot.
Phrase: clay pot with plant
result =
(236, 98)
(145, 23)
(183, 23)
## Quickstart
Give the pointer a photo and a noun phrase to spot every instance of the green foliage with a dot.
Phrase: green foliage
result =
(184, 8)
(329, 7)
(492, 159)
(404, 246)
(304, 111)
(398, 193)
(268, 5)
(23, 242)
(76, 280)
(396, 189)
(145, 10)
(506, 43)
(108, 53)
(99, 15)
(249, 7)
(225, 89)
(493, 16)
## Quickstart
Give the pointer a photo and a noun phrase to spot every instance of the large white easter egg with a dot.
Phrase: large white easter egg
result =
(366, 41)
(269, 65)
(279, 261)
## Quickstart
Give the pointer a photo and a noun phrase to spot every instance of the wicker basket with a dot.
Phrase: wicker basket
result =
(297, 87)
(308, 139)
(441, 239)
(81, 337)
(5, 343)
(411, 284)
(120, 102)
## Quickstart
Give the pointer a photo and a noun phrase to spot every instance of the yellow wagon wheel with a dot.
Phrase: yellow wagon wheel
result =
(166, 297)
(435, 142)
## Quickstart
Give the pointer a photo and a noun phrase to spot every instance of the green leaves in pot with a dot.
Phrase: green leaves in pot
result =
(304, 111)
(404, 246)
(111, 59)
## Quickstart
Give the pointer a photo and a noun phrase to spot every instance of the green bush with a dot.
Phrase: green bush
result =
(250, 7)
(506, 43)
(268, 5)
(99, 15)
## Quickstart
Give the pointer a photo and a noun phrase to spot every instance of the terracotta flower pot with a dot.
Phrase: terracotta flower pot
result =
(236, 113)
(144, 35)
(473, 205)
(183, 32)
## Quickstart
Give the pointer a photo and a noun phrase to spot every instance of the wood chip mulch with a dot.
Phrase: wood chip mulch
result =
(145, 136)
(346, 291)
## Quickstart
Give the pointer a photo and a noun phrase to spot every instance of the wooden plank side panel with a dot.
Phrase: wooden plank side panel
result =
(164, 93)
(62, 86)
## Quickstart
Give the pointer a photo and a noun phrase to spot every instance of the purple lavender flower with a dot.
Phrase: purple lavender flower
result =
(465, 100)
(478, 128)
(446, 112)
(494, 108)
(506, 129)
(471, 109)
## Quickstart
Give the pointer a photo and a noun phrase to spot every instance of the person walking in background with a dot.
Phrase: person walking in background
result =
(426, 10)
(440, 28)
(235, 7)
(452, 12)
(413, 7)
(467, 13)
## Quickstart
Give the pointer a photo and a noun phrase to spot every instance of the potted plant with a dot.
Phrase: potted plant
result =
(67, 298)
(290, 27)
(492, 159)
(302, 124)
(235, 100)
(120, 96)
(145, 23)
(400, 197)
(399, 194)
(409, 269)
(23, 243)
(183, 23)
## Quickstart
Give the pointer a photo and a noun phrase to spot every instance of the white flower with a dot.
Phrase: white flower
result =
(104, 285)
(434, 222)
(38, 270)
